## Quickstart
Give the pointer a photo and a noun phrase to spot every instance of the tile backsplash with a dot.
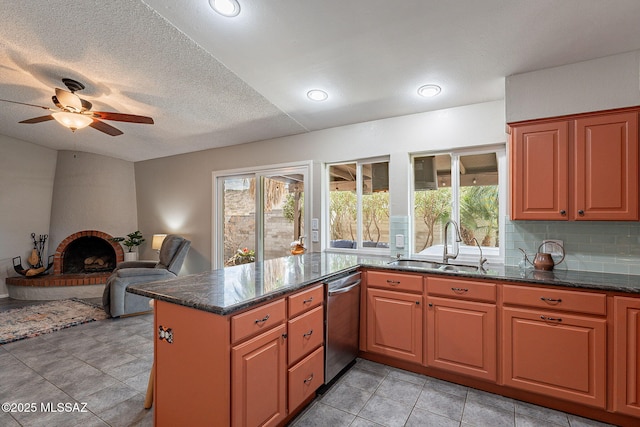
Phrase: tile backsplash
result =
(602, 246)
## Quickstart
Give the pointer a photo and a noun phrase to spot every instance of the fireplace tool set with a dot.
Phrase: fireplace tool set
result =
(34, 261)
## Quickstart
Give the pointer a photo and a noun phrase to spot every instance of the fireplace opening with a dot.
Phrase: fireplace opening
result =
(88, 254)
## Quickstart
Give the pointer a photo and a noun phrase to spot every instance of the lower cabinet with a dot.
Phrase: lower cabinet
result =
(626, 364)
(394, 324)
(556, 354)
(259, 375)
(461, 337)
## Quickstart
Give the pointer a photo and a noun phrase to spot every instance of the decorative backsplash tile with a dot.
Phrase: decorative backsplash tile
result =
(611, 247)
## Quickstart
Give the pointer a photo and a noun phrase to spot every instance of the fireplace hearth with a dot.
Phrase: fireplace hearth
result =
(82, 263)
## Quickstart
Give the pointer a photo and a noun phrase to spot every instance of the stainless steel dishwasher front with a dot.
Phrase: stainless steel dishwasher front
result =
(343, 324)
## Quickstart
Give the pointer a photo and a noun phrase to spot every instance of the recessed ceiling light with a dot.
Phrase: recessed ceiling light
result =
(428, 91)
(317, 95)
(228, 8)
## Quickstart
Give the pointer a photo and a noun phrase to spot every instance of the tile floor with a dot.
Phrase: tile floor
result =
(373, 395)
(106, 365)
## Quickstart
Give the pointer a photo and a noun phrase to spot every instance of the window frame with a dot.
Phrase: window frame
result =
(359, 208)
(470, 254)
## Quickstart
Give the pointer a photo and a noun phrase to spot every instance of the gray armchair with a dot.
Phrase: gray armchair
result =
(118, 302)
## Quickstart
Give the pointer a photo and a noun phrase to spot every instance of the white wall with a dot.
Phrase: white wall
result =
(26, 188)
(599, 84)
(174, 193)
(92, 192)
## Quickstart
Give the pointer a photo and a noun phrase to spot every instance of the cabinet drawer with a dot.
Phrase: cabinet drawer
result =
(461, 289)
(306, 332)
(257, 320)
(305, 300)
(555, 299)
(305, 378)
(401, 282)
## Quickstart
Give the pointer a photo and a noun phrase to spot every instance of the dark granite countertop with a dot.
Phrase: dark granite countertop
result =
(231, 289)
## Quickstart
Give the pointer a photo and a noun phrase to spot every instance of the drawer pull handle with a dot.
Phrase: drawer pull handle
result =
(264, 319)
(551, 319)
(307, 301)
(308, 380)
(308, 334)
(393, 282)
(460, 290)
(551, 300)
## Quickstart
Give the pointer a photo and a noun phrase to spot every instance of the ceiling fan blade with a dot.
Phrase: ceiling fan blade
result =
(38, 119)
(103, 127)
(86, 105)
(69, 100)
(131, 118)
(30, 105)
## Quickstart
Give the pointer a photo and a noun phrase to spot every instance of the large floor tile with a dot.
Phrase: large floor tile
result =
(385, 411)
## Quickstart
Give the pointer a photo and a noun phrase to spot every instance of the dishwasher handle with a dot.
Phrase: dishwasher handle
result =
(345, 289)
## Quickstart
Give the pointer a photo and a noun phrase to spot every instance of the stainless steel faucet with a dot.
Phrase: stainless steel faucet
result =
(482, 260)
(446, 255)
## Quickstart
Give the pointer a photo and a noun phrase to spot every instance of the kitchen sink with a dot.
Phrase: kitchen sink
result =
(431, 265)
(416, 263)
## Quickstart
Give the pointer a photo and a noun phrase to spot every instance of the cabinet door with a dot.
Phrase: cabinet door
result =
(606, 168)
(394, 324)
(626, 356)
(461, 337)
(539, 171)
(555, 354)
(259, 375)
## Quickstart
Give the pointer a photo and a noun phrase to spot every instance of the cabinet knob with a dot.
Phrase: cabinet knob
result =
(563, 212)
(417, 302)
(580, 212)
(430, 305)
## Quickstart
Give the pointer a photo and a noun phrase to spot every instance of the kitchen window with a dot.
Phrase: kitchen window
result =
(466, 187)
(359, 205)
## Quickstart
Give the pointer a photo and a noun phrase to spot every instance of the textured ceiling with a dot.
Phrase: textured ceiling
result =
(210, 81)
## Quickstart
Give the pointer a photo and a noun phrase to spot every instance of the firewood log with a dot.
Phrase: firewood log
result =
(35, 271)
(90, 260)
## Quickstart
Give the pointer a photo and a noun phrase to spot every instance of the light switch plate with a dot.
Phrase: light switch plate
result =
(314, 223)
(399, 241)
(552, 246)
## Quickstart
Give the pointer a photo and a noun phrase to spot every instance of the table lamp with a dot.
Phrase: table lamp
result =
(156, 242)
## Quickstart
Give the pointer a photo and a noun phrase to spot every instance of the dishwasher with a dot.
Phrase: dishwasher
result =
(343, 324)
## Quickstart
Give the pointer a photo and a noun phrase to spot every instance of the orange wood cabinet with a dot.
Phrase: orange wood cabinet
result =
(239, 370)
(394, 318)
(306, 345)
(554, 353)
(461, 333)
(192, 360)
(626, 363)
(579, 168)
(539, 171)
(259, 375)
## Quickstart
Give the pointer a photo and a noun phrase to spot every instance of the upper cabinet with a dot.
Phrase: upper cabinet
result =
(577, 168)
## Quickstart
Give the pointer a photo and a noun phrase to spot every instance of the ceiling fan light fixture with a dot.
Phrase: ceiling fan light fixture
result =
(317, 95)
(72, 121)
(429, 91)
(228, 8)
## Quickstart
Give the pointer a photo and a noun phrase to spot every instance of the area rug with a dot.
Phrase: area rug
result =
(26, 322)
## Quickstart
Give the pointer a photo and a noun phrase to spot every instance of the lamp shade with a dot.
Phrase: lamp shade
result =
(72, 120)
(156, 242)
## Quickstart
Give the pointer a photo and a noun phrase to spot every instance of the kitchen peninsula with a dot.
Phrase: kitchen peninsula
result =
(225, 349)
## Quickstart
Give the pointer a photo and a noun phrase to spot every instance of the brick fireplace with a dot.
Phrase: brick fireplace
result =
(71, 266)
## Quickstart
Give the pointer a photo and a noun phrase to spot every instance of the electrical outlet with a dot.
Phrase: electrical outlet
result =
(314, 236)
(553, 247)
(399, 241)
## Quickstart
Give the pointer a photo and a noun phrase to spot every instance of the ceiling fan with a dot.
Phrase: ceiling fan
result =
(75, 112)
